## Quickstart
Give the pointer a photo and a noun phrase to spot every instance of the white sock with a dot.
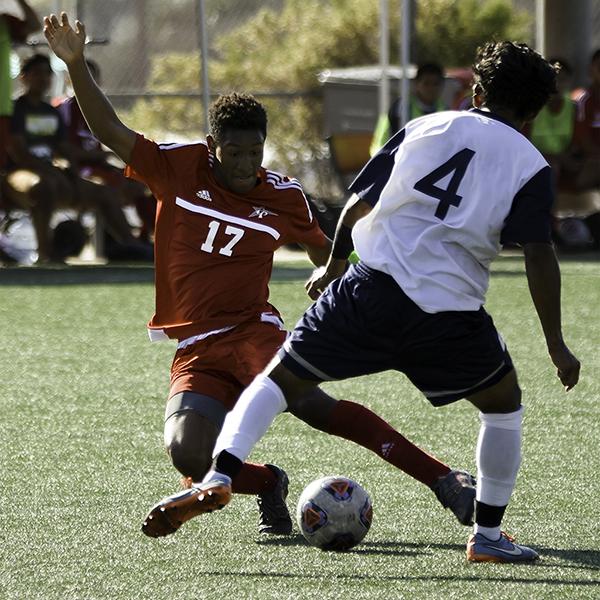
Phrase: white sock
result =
(212, 475)
(498, 459)
(498, 456)
(250, 418)
(491, 533)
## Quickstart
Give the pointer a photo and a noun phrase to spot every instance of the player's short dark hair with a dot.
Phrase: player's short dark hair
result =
(236, 111)
(514, 77)
(430, 68)
(33, 61)
(595, 56)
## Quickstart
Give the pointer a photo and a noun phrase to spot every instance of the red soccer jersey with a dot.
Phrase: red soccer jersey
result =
(213, 248)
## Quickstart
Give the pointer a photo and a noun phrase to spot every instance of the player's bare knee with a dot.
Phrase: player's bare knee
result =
(314, 407)
(189, 440)
(298, 392)
(504, 397)
(189, 460)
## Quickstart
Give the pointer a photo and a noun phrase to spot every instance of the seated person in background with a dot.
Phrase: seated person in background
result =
(553, 131)
(33, 182)
(94, 163)
(426, 99)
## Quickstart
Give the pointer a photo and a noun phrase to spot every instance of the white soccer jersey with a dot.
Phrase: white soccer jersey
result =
(447, 191)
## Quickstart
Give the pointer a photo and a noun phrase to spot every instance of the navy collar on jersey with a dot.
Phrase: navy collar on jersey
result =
(493, 115)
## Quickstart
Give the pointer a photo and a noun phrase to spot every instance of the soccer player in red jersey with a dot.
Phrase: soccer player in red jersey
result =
(220, 218)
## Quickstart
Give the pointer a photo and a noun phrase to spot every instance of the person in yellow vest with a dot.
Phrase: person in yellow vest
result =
(12, 29)
(553, 130)
(425, 99)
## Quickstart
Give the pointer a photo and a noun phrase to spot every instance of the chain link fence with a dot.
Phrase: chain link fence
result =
(149, 54)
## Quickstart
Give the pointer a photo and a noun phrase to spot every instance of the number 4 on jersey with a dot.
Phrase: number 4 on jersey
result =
(448, 197)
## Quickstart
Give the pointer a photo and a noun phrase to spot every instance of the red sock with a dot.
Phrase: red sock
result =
(253, 479)
(357, 423)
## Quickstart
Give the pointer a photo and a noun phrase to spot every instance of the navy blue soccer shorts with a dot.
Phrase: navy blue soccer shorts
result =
(364, 323)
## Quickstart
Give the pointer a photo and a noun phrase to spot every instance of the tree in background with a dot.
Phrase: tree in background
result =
(280, 50)
(449, 32)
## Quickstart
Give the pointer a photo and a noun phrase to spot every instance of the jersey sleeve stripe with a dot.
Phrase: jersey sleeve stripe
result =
(278, 182)
(175, 145)
(227, 218)
(280, 185)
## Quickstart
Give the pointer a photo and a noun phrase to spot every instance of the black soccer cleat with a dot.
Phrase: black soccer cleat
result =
(456, 491)
(274, 517)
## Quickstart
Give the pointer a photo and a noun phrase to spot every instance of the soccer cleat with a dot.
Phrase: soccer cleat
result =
(274, 517)
(172, 512)
(456, 491)
(504, 550)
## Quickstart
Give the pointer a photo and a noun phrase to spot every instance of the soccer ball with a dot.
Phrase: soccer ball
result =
(334, 513)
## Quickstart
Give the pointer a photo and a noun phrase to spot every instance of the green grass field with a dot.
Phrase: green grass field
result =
(83, 394)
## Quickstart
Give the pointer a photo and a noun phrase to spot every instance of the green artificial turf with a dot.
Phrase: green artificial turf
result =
(81, 460)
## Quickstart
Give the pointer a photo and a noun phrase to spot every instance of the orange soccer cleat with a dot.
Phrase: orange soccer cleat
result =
(172, 512)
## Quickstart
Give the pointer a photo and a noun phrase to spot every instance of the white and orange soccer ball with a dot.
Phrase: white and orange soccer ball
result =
(334, 513)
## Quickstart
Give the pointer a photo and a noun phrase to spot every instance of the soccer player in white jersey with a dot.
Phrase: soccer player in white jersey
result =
(437, 202)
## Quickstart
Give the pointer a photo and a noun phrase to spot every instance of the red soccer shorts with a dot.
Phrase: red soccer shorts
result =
(223, 365)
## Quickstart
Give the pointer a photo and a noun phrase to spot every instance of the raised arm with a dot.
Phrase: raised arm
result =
(68, 44)
(342, 247)
(543, 276)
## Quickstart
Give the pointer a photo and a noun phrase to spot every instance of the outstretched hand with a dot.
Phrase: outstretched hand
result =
(67, 43)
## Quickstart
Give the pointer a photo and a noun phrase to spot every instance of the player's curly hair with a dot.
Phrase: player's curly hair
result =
(513, 76)
(236, 111)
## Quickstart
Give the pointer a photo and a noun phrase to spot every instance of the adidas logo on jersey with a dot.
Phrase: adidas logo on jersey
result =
(204, 195)
(261, 212)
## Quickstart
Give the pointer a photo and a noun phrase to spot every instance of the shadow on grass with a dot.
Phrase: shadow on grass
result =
(578, 559)
(109, 274)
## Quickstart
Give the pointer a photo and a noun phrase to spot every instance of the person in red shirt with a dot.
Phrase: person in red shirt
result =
(220, 218)
(587, 131)
(587, 140)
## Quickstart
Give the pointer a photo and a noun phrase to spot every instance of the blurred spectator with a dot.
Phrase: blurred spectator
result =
(553, 130)
(34, 182)
(558, 136)
(12, 29)
(587, 137)
(588, 128)
(428, 86)
(93, 162)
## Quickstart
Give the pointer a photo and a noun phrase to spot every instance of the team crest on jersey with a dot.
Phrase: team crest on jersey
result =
(261, 212)
(204, 195)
